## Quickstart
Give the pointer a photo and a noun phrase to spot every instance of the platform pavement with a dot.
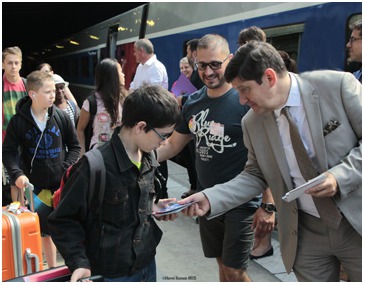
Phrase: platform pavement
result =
(180, 257)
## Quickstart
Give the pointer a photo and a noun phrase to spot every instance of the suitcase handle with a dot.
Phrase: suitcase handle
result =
(94, 278)
(28, 257)
(29, 194)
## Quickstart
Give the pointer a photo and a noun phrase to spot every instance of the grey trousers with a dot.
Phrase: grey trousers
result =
(321, 251)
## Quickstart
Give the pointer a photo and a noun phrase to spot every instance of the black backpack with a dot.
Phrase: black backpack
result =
(89, 128)
(97, 180)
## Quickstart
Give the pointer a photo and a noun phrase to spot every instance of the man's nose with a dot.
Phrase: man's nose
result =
(243, 99)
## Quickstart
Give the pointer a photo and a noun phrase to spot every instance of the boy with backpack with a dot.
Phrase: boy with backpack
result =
(118, 239)
(48, 145)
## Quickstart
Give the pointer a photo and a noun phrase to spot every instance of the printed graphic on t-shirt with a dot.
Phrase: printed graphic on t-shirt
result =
(210, 137)
(103, 126)
(44, 142)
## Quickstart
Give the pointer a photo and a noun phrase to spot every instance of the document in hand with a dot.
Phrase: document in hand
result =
(295, 193)
(183, 86)
(172, 208)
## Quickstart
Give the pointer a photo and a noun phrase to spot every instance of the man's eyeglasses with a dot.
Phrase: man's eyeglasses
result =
(353, 39)
(163, 137)
(214, 65)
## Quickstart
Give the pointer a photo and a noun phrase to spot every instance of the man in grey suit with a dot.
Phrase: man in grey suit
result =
(327, 108)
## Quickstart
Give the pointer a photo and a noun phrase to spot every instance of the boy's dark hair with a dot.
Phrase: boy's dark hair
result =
(152, 104)
(252, 59)
(36, 79)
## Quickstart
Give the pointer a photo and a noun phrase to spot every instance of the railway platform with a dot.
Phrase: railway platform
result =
(180, 256)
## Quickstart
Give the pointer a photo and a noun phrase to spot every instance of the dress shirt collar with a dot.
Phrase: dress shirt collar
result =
(150, 61)
(294, 99)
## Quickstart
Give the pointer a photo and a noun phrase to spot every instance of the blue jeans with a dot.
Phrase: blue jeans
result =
(147, 274)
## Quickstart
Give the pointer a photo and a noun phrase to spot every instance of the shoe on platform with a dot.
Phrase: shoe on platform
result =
(267, 253)
(188, 193)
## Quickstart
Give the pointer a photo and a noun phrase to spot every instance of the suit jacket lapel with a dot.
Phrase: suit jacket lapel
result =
(313, 113)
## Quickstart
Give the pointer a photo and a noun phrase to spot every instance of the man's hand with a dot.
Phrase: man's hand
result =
(200, 207)
(263, 223)
(327, 188)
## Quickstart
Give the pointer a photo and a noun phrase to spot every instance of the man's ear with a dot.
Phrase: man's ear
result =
(271, 76)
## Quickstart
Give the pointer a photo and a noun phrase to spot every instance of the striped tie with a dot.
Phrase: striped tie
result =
(326, 207)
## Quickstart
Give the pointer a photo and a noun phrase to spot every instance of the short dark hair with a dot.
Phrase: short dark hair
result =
(252, 59)
(193, 44)
(252, 33)
(152, 104)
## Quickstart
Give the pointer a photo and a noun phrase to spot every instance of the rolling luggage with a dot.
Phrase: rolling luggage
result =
(21, 245)
(55, 274)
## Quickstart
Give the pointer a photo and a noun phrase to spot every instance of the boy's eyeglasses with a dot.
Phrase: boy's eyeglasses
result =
(214, 65)
(163, 137)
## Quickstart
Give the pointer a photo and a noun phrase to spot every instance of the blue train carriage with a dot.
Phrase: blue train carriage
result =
(314, 34)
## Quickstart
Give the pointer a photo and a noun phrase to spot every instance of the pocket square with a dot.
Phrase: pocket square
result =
(330, 127)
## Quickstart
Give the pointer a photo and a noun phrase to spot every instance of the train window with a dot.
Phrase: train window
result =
(129, 24)
(72, 64)
(286, 38)
(186, 16)
(85, 66)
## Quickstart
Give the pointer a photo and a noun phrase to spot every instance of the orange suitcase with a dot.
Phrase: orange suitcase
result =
(21, 246)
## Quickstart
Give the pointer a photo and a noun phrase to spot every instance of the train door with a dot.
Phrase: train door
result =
(111, 43)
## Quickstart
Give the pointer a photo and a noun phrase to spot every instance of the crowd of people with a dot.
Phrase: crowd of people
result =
(254, 130)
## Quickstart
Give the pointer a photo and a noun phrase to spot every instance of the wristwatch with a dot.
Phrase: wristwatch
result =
(268, 207)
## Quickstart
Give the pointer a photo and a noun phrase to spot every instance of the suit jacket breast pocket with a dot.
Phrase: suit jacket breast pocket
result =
(339, 143)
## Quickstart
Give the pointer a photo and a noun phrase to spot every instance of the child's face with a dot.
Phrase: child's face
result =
(156, 138)
(44, 97)
(12, 65)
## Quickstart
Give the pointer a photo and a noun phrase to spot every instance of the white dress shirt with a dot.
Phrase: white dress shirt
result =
(153, 72)
(296, 109)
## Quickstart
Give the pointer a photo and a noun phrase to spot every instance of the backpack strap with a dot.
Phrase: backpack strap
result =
(25, 83)
(97, 179)
(92, 104)
(89, 128)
